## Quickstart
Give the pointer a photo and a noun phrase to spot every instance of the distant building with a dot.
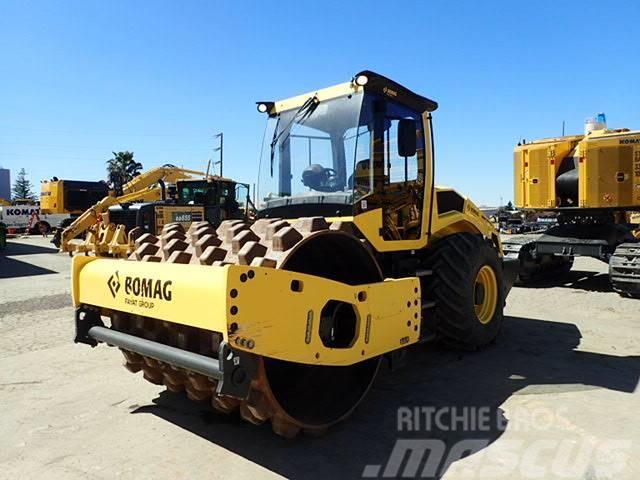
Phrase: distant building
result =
(5, 183)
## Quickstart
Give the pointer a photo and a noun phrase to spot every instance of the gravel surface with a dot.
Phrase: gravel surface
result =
(559, 390)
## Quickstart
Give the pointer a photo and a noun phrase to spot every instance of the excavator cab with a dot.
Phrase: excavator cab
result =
(220, 199)
(189, 200)
(360, 149)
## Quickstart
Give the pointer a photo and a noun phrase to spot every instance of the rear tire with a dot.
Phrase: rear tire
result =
(468, 289)
(57, 236)
(35, 230)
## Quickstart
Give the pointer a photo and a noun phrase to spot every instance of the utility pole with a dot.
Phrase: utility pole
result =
(219, 149)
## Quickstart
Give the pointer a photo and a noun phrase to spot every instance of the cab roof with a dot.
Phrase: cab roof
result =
(375, 82)
(389, 88)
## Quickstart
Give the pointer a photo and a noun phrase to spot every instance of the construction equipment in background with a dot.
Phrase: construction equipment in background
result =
(214, 199)
(22, 201)
(354, 257)
(70, 196)
(633, 218)
(592, 182)
(147, 187)
(152, 199)
(24, 216)
(3, 236)
(68, 199)
(517, 222)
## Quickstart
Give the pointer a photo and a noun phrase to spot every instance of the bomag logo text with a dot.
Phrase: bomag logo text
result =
(148, 288)
(627, 141)
(389, 92)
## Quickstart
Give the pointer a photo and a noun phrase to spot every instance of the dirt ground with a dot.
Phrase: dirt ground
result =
(559, 389)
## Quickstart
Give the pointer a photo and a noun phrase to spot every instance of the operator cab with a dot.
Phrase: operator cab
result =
(230, 198)
(346, 150)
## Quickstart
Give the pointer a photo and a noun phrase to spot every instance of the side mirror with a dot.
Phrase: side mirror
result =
(407, 138)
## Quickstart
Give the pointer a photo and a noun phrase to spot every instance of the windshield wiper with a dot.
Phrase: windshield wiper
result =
(303, 112)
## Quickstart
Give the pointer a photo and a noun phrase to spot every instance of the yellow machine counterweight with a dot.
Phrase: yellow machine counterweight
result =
(592, 183)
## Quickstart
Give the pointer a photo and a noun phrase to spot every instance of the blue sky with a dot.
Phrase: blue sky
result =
(79, 79)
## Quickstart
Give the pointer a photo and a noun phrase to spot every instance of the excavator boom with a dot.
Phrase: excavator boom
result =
(143, 188)
(168, 174)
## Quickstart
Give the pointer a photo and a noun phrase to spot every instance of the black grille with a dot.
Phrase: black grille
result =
(124, 217)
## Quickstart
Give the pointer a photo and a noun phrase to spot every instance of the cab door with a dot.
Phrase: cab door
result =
(395, 214)
(399, 165)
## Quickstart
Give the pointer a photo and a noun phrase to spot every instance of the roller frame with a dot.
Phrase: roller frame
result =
(271, 319)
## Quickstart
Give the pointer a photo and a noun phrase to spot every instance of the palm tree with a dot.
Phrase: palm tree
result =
(121, 169)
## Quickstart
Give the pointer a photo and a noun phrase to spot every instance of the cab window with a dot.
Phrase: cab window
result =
(398, 169)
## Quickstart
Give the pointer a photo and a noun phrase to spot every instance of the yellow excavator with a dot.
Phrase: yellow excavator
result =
(146, 187)
(151, 200)
(355, 256)
(592, 183)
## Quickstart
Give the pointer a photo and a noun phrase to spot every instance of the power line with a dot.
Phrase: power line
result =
(97, 147)
(48, 156)
(119, 134)
(74, 157)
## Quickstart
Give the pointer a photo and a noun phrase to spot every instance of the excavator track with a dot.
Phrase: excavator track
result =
(267, 243)
(624, 269)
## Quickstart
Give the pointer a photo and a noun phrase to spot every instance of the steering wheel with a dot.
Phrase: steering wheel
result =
(320, 178)
(330, 172)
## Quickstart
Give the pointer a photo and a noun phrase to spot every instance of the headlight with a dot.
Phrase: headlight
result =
(361, 80)
(264, 107)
